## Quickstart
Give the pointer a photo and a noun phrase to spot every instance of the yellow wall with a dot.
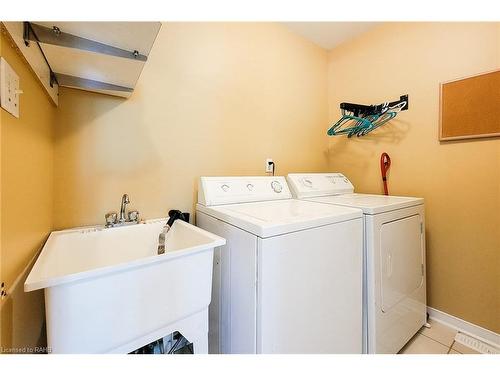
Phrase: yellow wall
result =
(460, 181)
(213, 99)
(26, 182)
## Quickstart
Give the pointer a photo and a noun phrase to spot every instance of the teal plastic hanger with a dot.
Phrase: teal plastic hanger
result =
(359, 119)
(360, 124)
(381, 120)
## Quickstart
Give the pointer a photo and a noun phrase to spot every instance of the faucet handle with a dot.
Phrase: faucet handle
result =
(133, 216)
(111, 218)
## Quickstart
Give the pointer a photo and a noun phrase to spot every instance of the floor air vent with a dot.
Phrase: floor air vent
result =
(476, 344)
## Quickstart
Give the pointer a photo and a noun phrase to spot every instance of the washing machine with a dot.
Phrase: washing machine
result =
(289, 279)
(394, 291)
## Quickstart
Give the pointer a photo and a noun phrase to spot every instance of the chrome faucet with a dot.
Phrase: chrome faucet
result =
(125, 201)
(112, 219)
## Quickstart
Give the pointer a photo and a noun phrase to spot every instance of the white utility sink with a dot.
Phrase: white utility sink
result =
(108, 291)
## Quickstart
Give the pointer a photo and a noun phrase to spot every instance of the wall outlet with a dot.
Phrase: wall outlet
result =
(9, 88)
(269, 165)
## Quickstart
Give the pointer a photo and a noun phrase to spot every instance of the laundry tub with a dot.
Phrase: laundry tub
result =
(108, 291)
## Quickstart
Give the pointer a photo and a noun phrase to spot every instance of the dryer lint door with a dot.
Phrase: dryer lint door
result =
(401, 260)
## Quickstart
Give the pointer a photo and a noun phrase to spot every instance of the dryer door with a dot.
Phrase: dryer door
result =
(401, 260)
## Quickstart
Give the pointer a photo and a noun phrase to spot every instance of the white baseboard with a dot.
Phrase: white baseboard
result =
(468, 328)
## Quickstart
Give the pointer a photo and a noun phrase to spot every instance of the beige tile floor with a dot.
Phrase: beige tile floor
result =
(439, 339)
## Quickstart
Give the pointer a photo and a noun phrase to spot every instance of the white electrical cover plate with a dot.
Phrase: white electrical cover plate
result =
(9, 88)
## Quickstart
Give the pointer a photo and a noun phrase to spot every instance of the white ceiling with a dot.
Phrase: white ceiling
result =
(329, 34)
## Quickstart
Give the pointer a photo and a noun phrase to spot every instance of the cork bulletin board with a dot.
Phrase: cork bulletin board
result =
(470, 107)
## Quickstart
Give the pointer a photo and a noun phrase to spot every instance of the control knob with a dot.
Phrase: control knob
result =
(307, 183)
(277, 187)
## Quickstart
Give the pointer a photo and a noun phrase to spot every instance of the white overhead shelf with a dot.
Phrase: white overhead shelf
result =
(103, 57)
(126, 35)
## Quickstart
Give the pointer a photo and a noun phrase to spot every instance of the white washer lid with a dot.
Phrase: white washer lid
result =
(272, 218)
(370, 203)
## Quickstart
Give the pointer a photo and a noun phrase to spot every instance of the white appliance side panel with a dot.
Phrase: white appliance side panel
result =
(365, 292)
(389, 331)
(232, 314)
(208, 223)
(310, 290)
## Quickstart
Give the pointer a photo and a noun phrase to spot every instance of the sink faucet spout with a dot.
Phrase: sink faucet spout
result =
(125, 201)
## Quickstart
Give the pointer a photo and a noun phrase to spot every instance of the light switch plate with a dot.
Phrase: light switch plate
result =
(9, 88)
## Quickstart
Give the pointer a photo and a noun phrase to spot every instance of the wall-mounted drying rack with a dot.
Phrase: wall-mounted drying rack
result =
(359, 119)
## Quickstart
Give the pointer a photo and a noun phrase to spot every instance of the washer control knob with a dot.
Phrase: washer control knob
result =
(277, 187)
(307, 183)
(225, 187)
(250, 187)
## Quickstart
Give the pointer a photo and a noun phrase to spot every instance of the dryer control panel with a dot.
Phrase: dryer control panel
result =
(307, 185)
(213, 191)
